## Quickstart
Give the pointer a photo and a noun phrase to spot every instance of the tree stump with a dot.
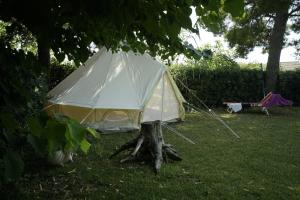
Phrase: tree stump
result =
(149, 146)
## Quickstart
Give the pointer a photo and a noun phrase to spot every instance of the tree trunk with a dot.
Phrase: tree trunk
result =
(149, 146)
(44, 53)
(275, 47)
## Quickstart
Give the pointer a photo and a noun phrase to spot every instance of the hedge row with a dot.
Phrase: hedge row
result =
(214, 86)
(289, 85)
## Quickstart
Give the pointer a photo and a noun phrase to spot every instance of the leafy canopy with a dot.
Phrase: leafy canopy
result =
(69, 26)
(254, 28)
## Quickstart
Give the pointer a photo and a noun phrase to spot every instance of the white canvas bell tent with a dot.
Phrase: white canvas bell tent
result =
(118, 91)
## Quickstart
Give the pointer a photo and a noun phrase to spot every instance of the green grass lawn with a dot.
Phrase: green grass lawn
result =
(263, 164)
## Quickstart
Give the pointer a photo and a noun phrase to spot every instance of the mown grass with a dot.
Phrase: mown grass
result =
(263, 164)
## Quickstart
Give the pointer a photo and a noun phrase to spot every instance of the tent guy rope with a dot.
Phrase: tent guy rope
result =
(210, 111)
(177, 133)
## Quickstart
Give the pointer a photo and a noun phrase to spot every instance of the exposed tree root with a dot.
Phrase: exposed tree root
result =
(149, 146)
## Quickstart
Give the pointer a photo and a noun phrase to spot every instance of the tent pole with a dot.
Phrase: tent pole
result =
(162, 103)
(162, 97)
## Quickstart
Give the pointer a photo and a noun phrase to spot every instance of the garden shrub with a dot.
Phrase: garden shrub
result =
(24, 128)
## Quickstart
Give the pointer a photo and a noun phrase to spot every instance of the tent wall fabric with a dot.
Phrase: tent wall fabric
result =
(118, 91)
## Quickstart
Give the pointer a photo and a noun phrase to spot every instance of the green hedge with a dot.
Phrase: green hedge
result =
(289, 85)
(214, 86)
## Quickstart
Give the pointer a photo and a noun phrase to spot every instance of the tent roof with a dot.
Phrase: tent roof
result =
(122, 80)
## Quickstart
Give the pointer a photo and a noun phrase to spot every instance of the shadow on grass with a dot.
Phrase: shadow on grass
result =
(262, 164)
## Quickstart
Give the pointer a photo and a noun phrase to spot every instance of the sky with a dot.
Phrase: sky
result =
(256, 56)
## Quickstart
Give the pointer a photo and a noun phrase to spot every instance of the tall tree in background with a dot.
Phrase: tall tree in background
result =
(265, 24)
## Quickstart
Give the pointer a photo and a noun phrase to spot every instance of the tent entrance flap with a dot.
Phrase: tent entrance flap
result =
(163, 104)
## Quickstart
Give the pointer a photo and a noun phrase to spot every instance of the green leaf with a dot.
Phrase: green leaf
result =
(76, 131)
(55, 135)
(212, 5)
(151, 25)
(74, 134)
(212, 21)
(35, 126)
(200, 10)
(234, 7)
(93, 132)
(85, 146)
(183, 16)
(13, 166)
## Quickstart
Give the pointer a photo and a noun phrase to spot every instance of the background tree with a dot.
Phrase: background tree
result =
(265, 24)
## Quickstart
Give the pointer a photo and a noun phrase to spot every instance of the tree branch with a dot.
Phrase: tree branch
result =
(296, 15)
(294, 10)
